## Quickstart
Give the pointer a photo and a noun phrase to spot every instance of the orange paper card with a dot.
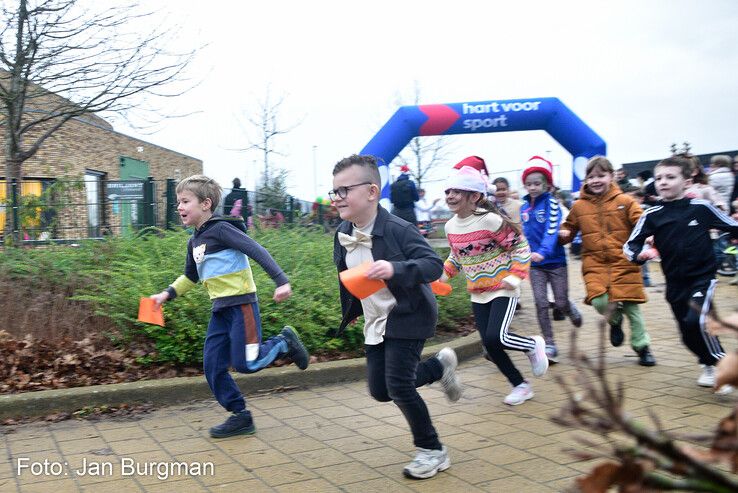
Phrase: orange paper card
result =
(355, 280)
(441, 288)
(149, 313)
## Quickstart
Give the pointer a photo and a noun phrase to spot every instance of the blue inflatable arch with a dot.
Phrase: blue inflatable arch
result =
(512, 115)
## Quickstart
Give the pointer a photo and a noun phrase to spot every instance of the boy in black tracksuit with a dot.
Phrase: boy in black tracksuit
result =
(680, 227)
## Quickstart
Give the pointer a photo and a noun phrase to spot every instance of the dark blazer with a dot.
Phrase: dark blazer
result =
(415, 264)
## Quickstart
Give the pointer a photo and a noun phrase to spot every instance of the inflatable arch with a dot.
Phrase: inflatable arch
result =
(512, 115)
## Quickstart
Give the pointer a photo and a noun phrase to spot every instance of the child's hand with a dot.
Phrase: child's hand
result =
(282, 292)
(564, 233)
(536, 257)
(649, 241)
(649, 254)
(381, 269)
(160, 298)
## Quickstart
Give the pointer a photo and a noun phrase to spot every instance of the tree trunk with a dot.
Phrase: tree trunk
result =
(11, 233)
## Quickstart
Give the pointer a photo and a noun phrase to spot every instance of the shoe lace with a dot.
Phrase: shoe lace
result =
(519, 390)
(424, 457)
(233, 420)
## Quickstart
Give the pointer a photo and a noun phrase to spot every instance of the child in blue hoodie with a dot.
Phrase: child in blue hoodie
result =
(541, 217)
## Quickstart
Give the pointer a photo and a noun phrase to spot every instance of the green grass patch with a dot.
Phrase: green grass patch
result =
(111, 276)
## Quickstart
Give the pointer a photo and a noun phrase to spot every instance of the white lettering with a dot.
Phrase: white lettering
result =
(95, 468)
(480, 108)
(475, 109)
(517, 106)
(164, 470)
(477, 123)
(126, 466)
(45, 468)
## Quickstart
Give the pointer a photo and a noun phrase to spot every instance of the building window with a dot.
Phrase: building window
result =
(93, 190)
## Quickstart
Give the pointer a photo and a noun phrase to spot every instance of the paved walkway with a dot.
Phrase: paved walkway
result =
(336, 438)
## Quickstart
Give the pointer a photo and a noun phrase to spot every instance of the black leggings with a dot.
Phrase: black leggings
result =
(492, 320)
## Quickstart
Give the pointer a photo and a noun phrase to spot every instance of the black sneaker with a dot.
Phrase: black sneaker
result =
(236, 424)
(558, 314)
(616, 334)
(295, 349)
(645, 358)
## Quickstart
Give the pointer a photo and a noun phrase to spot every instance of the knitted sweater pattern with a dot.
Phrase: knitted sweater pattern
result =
(486, 252)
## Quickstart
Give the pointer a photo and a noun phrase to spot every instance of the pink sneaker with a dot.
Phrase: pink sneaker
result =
(537, 357)
(519, 394)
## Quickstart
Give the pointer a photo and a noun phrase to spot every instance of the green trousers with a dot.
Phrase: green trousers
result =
(639, 338)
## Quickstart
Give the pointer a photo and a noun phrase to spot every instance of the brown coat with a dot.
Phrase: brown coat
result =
(606, 222)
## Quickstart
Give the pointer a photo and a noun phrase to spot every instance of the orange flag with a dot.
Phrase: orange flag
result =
(149, 313)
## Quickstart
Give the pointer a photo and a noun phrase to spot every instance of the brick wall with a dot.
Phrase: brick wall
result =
(90, 143)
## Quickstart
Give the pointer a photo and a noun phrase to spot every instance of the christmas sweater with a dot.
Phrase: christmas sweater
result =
(488, 253)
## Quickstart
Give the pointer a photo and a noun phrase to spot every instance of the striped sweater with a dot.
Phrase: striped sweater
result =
(218, 255)
(488, 254)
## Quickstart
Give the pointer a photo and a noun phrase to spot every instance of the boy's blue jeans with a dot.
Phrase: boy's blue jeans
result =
(225, 347)
(394, 371)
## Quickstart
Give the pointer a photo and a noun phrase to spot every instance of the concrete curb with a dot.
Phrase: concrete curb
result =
(183, 389)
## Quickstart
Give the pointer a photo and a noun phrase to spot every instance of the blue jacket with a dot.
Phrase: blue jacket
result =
(541, 218)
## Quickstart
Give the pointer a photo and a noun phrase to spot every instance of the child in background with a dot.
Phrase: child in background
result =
(639, 196)
(541, 216)
(681, 227)
(606, 216)
(399, 317)
(218, 254)
(507, 205)
(423, 212)
(493, 254)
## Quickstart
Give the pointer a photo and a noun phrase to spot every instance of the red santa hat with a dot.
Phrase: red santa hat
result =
(537, 164)
(404, 168)
(475, 162)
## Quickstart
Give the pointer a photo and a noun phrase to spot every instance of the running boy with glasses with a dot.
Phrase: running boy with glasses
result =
(401, 316)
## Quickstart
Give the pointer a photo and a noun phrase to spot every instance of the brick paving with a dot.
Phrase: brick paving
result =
(336, 438)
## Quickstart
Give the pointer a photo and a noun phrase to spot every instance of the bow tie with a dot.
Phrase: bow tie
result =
(351, 242)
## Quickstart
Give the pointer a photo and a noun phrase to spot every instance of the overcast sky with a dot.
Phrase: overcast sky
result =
(642, 74)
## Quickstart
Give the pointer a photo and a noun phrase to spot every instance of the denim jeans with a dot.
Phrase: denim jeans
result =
(394, 371)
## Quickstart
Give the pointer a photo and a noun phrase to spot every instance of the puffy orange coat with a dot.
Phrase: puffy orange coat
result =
(605, 222)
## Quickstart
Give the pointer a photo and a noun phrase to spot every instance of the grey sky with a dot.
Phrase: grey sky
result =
(642, 74)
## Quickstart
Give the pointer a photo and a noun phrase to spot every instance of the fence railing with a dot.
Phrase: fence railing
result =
(66, 211)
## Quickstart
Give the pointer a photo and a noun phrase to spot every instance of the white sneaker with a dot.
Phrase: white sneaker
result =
(519, 394)
(725, 389)
(450, 380)
(537, 357)
(707, 379)
(427, 463)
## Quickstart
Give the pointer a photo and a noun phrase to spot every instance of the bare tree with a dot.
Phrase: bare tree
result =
(264, 122)
(59, 60)
(423, 154)
(643, 458)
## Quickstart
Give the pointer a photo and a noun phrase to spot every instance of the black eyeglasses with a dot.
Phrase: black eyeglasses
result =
(342, 192)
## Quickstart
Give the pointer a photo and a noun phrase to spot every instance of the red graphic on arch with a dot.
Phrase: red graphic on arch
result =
(440, 118)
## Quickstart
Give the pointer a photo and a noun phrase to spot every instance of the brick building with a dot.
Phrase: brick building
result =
(92, 158)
